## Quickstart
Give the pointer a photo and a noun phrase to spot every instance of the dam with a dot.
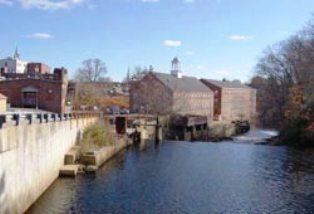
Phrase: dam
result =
(32, 149)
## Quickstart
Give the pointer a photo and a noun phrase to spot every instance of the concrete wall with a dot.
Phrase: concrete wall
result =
(30, 159)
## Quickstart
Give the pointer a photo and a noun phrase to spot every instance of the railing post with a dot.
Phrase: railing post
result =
(46, 117)
(16, 117)
(2, 120)
(54, 117)
(40, 117)
(29, 117)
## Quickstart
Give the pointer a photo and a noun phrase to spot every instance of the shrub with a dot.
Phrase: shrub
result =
(295, 132)
(96, 136)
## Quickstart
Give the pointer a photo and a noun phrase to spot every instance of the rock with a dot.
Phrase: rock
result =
(91, 169)
(69, 170)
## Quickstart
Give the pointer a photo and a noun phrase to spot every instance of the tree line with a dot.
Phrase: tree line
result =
(285, 87)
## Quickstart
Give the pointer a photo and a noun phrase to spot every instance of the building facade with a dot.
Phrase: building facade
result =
(39, 91)
(232, 100)
(171, 94)
(37, 67)
(13, 64)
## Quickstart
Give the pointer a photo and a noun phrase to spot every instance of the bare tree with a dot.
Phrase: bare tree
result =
(92, 70)
(285, 82)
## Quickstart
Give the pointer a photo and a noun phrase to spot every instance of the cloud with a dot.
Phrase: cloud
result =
(41, 36)
(50, 4)
(6, 2)
(189, 1)
(172, 43)
(239, 37)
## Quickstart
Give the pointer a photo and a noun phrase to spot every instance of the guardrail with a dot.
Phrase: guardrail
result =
(30, 118)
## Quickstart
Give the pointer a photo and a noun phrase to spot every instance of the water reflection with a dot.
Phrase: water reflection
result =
(191, 178)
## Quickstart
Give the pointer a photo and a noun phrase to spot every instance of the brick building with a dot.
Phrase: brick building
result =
(36, 90)
(232, 100)
(171, 93)
(38, 67)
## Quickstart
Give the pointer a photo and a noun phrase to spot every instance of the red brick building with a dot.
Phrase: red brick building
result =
(171, 94)
(37, 67)
(43, 91)
(232, 100)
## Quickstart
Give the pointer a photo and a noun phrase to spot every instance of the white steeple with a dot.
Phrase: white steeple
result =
(16, 54)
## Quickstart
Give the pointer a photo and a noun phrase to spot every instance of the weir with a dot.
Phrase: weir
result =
(32, 150)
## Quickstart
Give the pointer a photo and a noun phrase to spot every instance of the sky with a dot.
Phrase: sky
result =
(212, 38)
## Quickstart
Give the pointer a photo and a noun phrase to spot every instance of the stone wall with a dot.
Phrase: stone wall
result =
(30, 159)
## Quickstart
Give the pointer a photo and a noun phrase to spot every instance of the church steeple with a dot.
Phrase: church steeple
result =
(16, 54)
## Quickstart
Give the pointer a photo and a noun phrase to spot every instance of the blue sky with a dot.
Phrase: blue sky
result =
(213, 38)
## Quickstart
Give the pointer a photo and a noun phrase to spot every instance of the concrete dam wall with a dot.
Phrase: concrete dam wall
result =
(31, 154)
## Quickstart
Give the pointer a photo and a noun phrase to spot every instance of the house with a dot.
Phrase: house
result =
(171, 93)
(232, 100)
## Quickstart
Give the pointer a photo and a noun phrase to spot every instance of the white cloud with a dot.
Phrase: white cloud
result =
(6, 2)
(40, 36)
(50, 4)
(189, 1)
(172, 43)
(239, 37)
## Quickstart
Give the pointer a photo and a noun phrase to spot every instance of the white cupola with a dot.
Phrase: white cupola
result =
(175, 68)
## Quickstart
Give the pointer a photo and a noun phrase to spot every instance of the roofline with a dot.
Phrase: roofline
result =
(219, 86)
(153, 73)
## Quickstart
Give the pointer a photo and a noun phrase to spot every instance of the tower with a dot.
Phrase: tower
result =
(16, 54)
(175, 68)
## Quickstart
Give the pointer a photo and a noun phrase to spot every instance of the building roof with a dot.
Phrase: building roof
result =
(226, 83)
(184, 84)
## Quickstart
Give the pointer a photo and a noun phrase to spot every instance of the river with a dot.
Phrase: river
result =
(184, 177)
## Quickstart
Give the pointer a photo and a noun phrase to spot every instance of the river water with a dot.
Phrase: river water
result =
(184, 177)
